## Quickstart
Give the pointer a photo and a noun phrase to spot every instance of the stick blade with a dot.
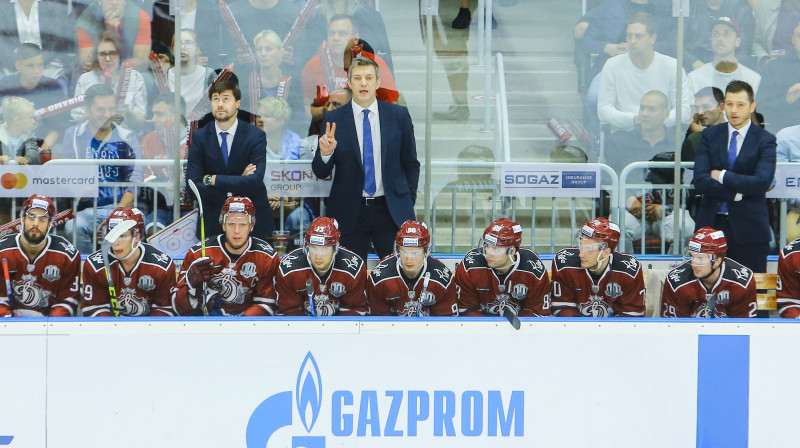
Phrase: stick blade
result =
(118, 231)
(512, 318)
(196, 193)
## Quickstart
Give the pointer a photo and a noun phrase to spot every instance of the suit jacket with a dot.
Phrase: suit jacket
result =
(399, 165)
(205, 157)
(752, 175)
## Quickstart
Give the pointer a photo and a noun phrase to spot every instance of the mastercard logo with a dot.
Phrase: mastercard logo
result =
(9, 181)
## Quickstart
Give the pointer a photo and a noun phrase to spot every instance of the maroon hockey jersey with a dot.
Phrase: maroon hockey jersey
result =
(341, 292)
(145, 291)
(619, 291)
(46, 286)
(389, 294)
(788, 290)
(243, 285)
(734, 294)
(526, 288)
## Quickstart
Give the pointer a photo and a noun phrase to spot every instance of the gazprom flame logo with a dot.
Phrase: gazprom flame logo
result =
(308, 392)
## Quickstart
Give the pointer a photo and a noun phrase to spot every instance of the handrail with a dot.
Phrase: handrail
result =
(502, 113)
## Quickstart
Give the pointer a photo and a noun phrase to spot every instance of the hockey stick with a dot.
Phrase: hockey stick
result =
(193, 187)
(108, 240)
(310, 292)
(425, 280)
(9, 292)
(510, 314)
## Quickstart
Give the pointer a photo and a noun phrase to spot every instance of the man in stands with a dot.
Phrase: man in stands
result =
(725, 39)
(235, 275)
(788, 290)
(709, 110)
(336, 275)
(411, 282)
(593, 280)
(709, 285)
(143, 276)
(501, 277)
(45, 269)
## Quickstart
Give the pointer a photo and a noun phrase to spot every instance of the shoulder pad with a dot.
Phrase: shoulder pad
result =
(387, 268)
(474, 259)
(736, 273)
(567, 258)
(155, 257)
(8, 242)
(210, 242)
(681, 275)
(95, 260)
(530, 262)
(791, 248)
(293, 261)
(625, 263)
(347, 261)
(62, 245)
(259, 245)
(439, 272)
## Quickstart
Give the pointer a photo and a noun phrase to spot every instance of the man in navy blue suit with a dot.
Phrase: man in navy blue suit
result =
(229, 158)
(734, 168)
(377, 171)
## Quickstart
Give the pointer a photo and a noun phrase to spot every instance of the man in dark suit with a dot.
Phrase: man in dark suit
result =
(377, 171)
(734, 168)
(229, 158)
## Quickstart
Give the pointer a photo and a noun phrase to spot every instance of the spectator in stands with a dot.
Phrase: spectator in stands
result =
(367, 20)
(342, 32)
(788, 290)
(256, 15)
(109, 53)
(709, 284)
(788, 150)
(464, 17)
(703, 18)
(40, 90)
(202, 16)
(268, 48)
(781, 87)
(99, 137)
(627, 77)
(734, 168)
(21, 22)
(594, 279)
(195, 78)
(709, 110)
(775, 23)
(725, 41)
(16, 144)
(121, 17)
(450, 45)
(155, 146)
(501, 277)
(648, 139)
(282, 143)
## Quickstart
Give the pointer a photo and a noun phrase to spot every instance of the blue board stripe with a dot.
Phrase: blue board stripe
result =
(723, 391)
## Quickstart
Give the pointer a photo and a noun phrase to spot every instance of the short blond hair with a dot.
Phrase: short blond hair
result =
(362, 61)
(14, 107)
(275, 106)
(270, 36)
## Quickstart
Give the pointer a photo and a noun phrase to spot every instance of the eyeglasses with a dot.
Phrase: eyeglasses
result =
(188, 43)
(43, 218)
(108, 55)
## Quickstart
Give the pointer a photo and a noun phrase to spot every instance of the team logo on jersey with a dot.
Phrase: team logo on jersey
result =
(29, 293)
(264, 247)
(323, 306)
(705, 310)
(595, 307)
(724, 298)
(127, 281)
(444, 274)
(163, 258)
(498, 306)
(410, 309)
(68, 247)
(613, 290)
(288, 259)
(741, 274)
(322, 287)
(351, 262)
(675, 275)
(427, 299)
(31, 267)
(377, 270)
(96, 258)
(228, 288)
(562, 256)
(337, 289)
(536, 265)
(131, 305)
(146, 283)
(519, 292)
(248, 270)
(631, 263)
(411, 294)
(51, 273)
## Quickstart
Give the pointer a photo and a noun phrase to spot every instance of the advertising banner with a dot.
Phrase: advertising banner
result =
(75, 181)
(550, 180)
(296, 181)
(786, 184)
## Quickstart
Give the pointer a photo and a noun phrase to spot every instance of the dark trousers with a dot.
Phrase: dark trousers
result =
(376, 226)
(752, 256)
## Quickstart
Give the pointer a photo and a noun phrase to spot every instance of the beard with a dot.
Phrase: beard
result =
(37, 240)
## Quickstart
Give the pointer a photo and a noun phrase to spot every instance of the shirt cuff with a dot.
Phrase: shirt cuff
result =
(326, 158)
(738, 197)
(722, 175)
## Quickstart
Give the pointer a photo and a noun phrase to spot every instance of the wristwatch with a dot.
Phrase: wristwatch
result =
(207, 180)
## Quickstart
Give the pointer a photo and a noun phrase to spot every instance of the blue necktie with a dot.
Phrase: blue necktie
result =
(731, 161)
(224, 146)
(369, 163)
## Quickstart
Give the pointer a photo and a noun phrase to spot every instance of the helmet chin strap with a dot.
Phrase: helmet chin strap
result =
(133, 250)
(601, 260)
(513, 261)
(713, 269)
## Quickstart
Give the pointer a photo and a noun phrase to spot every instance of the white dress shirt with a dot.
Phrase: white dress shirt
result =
(229, 138)
(739, 141)
(28, 26)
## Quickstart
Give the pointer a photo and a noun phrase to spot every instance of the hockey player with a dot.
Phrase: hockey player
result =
(788, 290)
(238, 270)
(593, 280)
(500, 277)
(44, 269)
(411, 282)
(709, 284)
(337, 276)
(143, 276)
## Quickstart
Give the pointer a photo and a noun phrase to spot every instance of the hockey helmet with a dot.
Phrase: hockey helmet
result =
(503, 232)
(39, 201)
(603, 231)
(238, 204)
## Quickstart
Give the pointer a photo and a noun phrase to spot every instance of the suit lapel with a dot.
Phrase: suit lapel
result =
(216, 150)
(350, 123)
(383, 116)
(238, 140)
(749, 142)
